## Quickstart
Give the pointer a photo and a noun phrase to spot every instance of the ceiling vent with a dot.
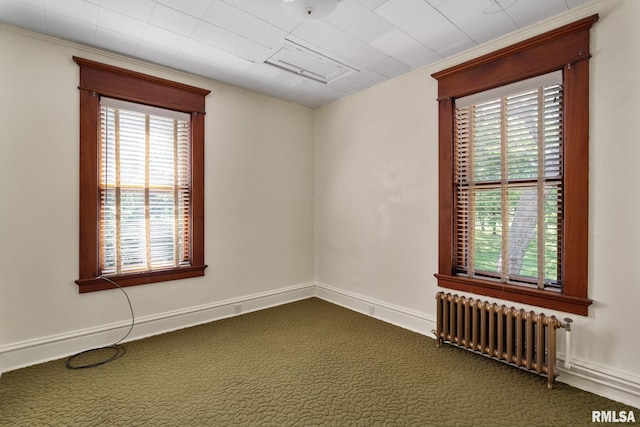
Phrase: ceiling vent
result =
(305, 62)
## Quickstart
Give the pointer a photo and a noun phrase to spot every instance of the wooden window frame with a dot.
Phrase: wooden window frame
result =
(97, 79)
(567, 49)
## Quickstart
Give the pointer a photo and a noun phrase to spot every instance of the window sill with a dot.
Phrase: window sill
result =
(515, 293)
(133, 279)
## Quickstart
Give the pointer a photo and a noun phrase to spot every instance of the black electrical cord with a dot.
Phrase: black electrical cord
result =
(119, 350)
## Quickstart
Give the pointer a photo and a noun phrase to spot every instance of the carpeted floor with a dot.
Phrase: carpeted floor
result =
(306, 363)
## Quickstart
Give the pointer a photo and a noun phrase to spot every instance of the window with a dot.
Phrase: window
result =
(141, 178)
(144, 188)
(508, 179)
(513, 172)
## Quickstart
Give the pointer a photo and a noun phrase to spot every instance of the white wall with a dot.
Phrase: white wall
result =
(377, 191)
(258, 214)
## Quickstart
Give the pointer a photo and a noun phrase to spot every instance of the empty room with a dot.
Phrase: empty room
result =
(329, 212)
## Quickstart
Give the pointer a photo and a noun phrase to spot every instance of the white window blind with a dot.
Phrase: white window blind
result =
(145, 188)
(509, 183)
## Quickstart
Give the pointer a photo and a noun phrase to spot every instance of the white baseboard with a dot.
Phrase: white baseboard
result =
(623, 387)
(619, 386)
(396, 315)
(613, 384)
(31, 352)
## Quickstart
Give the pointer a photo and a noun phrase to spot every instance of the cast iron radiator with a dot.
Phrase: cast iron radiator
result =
(523, 339)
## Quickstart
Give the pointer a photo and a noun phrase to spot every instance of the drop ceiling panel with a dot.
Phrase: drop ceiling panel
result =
(479, 19)
(228, 40)
(162, 37)
(247, 49)
(367, 78)
(439, 34)
(157, 53)
(347, 86)
(371, 4)
(359, 21)
(212, 35)
(190, 7)
(275, 15)
(172, 20)
(106, 39)
(253, 7)
(526, 13)
(262, 32)
(78, 10)
(139, 9)
(398, 12)
(114, 22)
(228, 17)
(401, 46)
(328, 37)
(70, 29)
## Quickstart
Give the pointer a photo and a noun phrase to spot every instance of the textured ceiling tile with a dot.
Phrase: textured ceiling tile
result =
(254, 7)
(404, 48)
(195, 8)
(330, 40)
(119, 23)
(380, 63)
(400, 11)
(173, 20)
(228, 17)
(139, 9)
(437, 33)
(213, 35)
(70, 29)
(160, 36)
(366, 77)
(479, 19)
(262, 32)
(106, 39)
(526, 13)
(74, 9)
(205, 52)
(347, 85)
(371, 4)
(248, 49)
(359, 21)
(275, 15)
(157, 53)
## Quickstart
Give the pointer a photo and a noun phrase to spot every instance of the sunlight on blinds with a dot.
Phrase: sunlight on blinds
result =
(509, 184)
(145, 188)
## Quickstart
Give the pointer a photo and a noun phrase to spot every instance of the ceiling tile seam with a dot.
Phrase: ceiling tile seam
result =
(420, 43)
(234, 6)
(141, 39)
(399, 27)
(98, 26)
(508, 15)
(238, 34)
(46, 17)
(455, 25)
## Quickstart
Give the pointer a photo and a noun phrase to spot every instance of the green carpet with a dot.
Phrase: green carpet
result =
(306, 363)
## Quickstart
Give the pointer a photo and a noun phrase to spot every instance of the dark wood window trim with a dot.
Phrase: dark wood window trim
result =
(566, 49)
(97, 79)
